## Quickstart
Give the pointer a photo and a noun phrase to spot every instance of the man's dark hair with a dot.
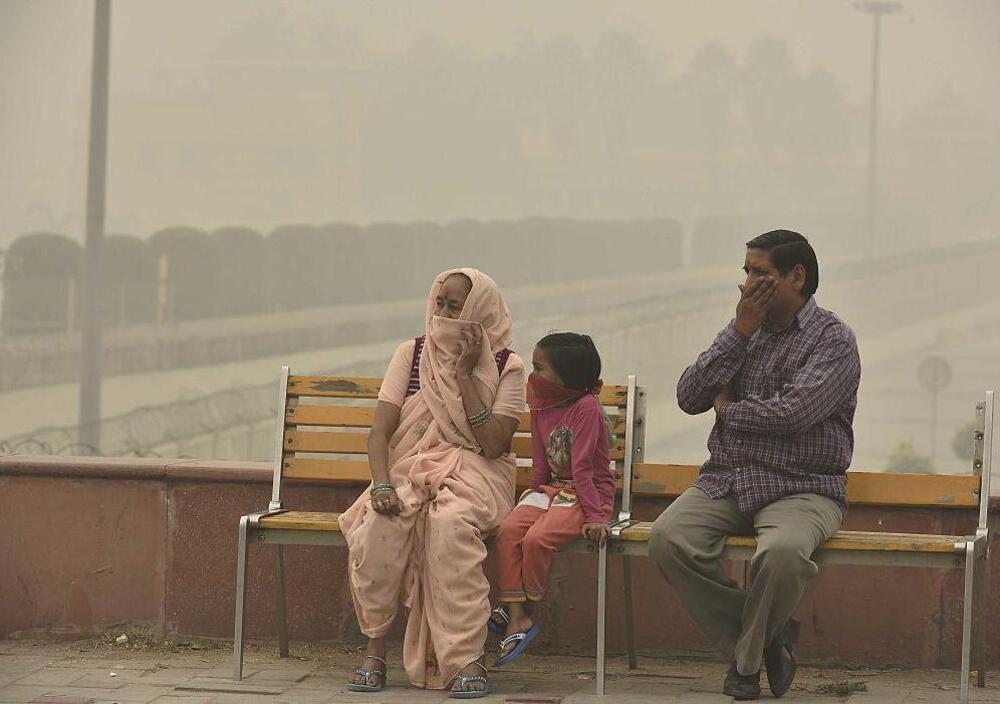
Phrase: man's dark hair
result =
(787, 249)
(574, 357)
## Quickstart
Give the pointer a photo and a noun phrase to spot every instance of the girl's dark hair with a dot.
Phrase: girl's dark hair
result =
(574, 358)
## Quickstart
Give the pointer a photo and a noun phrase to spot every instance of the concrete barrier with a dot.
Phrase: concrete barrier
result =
(87, 542)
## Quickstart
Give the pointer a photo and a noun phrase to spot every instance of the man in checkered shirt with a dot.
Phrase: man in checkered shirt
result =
(782, 378)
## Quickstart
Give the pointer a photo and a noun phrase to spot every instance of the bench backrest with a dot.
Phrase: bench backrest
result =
(323, 436)
(872, 488)
(326, 420)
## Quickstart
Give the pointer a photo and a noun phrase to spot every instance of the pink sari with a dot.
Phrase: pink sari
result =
(429, 558)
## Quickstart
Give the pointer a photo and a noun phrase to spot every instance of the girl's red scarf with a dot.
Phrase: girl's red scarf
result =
(543, 393)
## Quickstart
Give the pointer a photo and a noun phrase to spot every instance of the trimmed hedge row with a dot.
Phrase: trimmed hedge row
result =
(183, 273)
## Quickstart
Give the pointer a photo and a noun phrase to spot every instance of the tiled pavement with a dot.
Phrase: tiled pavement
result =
(96, 673)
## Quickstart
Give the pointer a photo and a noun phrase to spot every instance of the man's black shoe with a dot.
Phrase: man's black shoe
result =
(779, 659)
(741, 687)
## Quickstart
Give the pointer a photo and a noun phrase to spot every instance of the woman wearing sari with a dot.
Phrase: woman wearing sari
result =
(442, 479)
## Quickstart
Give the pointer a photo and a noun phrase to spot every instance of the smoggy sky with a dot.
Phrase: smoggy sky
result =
(161, 48)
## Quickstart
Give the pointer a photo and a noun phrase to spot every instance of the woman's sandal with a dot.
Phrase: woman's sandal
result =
(368, 675)
(523, 640)
(464, 680)
(498, 620)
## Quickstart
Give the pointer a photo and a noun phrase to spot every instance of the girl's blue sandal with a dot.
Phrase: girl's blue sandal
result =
(497, 623)
(525, 639)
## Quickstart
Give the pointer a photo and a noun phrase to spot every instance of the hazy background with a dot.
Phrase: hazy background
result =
(263, 113)
(598, 141)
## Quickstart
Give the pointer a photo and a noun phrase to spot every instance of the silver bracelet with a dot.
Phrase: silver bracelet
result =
(481, 419)
(478, 416)
(382, 488)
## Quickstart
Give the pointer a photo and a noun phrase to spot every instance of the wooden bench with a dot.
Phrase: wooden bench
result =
(964, 552)
(322, 441)
(323, 437)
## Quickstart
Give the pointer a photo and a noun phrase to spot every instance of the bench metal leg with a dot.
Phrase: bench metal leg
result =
(629, 612)
(602, 599)
(280, 614)
(981, 615)
(970, 566)
(241, 599)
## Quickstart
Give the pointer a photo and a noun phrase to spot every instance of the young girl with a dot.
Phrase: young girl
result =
(572, 486)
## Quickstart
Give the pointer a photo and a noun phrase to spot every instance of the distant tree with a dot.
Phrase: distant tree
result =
(769, 88)
(192, 271)
(963, 443)
(820, 133)
(130, 281)
(905, 458)
(40, 281)
(243, 266)
(301, 259)
(624, 81)
(708, 95)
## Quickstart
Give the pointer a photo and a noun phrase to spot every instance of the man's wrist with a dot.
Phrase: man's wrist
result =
(733, 338)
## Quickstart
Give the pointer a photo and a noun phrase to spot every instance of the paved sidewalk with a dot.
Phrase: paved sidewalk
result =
(96, 672)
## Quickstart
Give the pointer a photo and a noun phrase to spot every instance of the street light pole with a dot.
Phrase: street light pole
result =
(91, 351)
(875, 8)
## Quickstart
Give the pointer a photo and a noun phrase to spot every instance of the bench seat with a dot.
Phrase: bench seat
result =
(302, 520)
(322, 528)
(842, 540)
(847, 547)
(636, 537)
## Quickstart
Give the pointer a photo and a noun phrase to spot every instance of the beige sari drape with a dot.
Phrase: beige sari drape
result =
(429, 558)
